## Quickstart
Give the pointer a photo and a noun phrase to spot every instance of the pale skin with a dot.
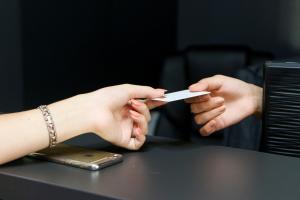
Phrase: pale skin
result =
(230, 101)
(113, 113)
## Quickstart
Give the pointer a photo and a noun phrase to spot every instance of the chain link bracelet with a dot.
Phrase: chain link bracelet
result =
(50, 125)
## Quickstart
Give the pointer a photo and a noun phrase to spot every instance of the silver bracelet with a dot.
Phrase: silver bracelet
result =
(50, 125)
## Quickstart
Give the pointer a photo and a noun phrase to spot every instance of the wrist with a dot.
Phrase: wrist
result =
(257, 93)
(70, 117)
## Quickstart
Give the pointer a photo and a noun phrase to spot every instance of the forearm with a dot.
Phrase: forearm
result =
(21, 133)
(26, 132)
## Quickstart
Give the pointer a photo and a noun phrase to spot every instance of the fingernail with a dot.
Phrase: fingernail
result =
(162, 90)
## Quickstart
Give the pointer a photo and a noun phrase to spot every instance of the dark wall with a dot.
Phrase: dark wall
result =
(11, 83)
(70, 47)
(270, 25)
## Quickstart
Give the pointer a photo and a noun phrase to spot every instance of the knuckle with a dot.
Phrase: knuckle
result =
(222, 109)
(126, 85)
(193, 108)
(219, 123)
(203, 80)
(148, 88)
(198, 119)
(143, 119)
(219, 100)
(211, 105)
(219, 76)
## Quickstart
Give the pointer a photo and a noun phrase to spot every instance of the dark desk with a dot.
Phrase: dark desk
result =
(161, 170)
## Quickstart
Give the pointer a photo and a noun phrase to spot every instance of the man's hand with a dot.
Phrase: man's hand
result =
(231, 100)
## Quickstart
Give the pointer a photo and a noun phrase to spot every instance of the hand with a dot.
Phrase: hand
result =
(120, 119)
(231, 100)
(106, 112)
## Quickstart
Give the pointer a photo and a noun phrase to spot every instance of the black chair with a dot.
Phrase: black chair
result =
(190, 66)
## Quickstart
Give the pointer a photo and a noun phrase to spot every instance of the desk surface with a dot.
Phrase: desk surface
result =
(163, 169)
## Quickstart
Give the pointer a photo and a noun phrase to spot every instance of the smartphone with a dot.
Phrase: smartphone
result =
(78, 157)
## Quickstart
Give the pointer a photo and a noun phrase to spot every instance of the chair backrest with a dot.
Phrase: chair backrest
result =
(208, 61)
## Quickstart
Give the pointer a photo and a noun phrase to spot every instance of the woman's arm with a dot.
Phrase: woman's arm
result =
(26, 132)
(105, 112)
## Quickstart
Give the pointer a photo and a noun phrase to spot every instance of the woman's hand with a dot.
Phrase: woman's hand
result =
(231, 100)
(118, 117)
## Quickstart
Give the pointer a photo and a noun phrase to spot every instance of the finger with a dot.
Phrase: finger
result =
(213, 103)
(198, 99)
(207, 84)
(154, 104)
(141, 108)
(208, 128)
(203, 118)
(140, 120)
(137, 142)
(137, 91)
(212, 126)
(139, 130)
(139, 138)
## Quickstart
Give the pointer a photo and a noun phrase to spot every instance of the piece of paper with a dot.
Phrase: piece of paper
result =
(184, 94)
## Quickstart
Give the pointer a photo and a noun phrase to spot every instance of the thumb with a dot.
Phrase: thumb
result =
(143, 92)
(207, 84)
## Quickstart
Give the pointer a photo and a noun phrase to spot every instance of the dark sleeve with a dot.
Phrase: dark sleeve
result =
(247, 133)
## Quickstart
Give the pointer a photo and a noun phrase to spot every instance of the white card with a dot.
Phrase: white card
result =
(184, 94)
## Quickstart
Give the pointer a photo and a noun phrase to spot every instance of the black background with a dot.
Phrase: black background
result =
(53, 49)
(79, 46)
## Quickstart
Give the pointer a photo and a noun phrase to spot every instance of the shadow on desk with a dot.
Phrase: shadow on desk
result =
(93, 141)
